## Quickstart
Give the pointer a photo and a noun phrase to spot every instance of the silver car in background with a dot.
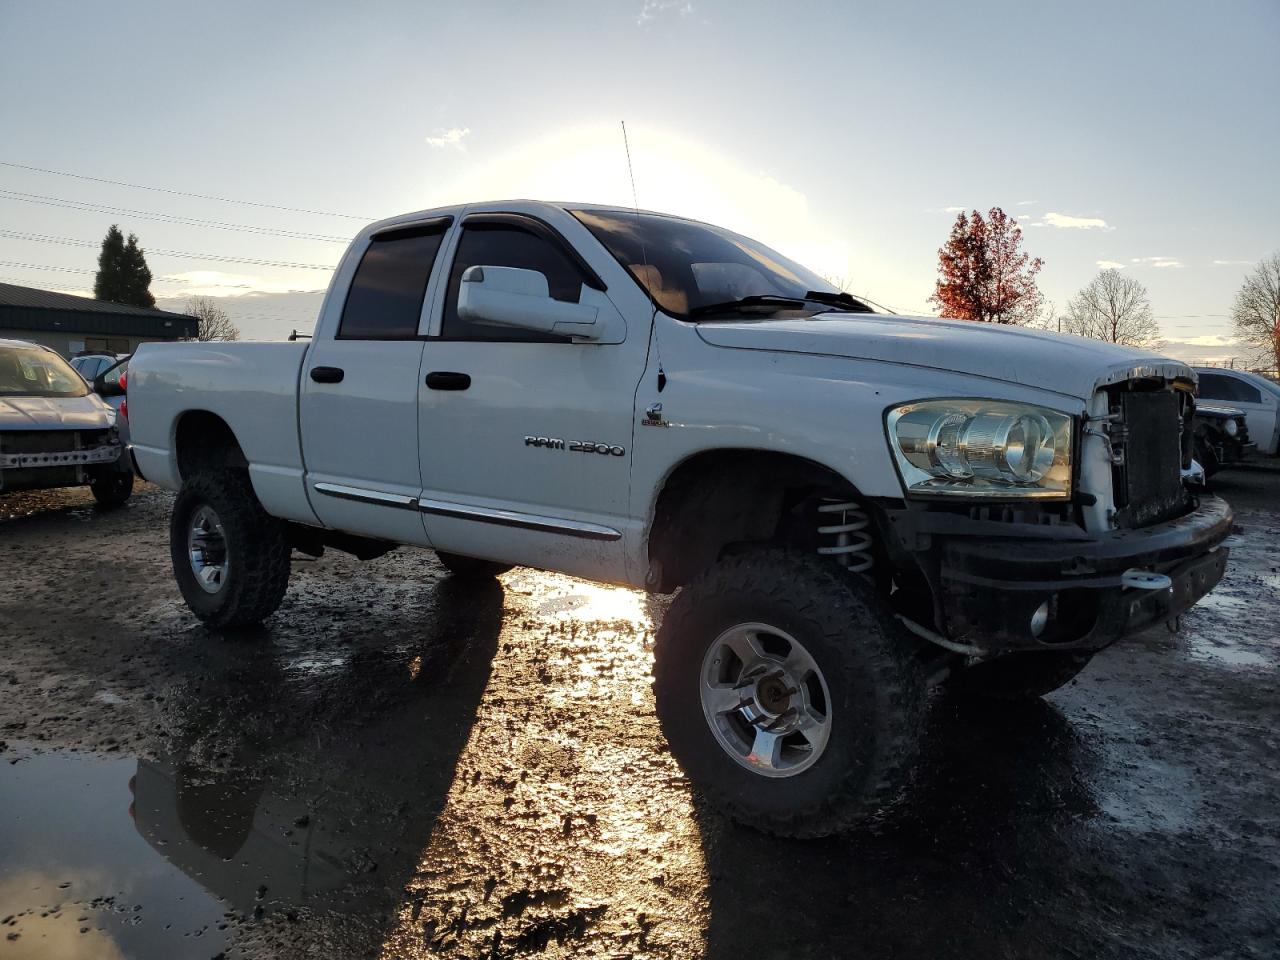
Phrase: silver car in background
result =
(1257, 396)
(54, 430)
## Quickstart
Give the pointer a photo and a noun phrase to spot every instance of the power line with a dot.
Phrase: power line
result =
(82, 270)
(45, 266)
(212, 257)
(110, 210)
(184, 193)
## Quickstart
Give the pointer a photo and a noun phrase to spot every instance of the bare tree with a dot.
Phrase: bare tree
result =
(214, 323)
(1114, 308)
(1256, 312)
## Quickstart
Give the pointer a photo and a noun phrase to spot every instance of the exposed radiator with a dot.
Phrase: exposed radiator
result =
(1148, 479)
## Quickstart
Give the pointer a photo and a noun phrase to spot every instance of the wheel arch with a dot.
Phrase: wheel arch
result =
(714, 500)
(202, 440)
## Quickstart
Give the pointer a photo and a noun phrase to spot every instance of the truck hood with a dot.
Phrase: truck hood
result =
(55, 413)
(1073, 366)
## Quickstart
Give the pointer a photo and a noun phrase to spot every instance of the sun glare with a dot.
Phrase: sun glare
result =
(564, 814)
(673, 174)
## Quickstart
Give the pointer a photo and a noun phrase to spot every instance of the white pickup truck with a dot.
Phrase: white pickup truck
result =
(852, 505)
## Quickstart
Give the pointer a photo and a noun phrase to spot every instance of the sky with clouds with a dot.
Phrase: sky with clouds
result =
(1140, 136)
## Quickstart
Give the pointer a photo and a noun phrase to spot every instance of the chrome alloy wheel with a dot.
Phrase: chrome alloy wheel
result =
(207, 548)
(765, 700)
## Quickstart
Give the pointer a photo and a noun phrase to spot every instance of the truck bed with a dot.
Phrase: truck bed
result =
(253, 387)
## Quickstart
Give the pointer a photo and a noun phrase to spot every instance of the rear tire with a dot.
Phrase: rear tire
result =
(230, 557)
(1020, 676)
(471, 568)
(112, 488)
(818, 648)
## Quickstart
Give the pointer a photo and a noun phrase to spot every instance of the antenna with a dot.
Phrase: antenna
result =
(644, 258)
(635, 202)
(635, 205)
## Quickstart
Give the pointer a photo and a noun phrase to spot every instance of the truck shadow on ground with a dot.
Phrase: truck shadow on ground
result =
(306, 793)
(962, 872)
(312, 803)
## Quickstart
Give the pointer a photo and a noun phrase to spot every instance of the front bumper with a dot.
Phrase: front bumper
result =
(989, 579)
(106, 453)
(1240, 451)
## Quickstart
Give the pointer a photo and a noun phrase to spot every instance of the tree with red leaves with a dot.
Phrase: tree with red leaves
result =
(984, 274)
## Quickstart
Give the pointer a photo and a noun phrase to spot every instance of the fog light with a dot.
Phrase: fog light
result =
(1040, 619)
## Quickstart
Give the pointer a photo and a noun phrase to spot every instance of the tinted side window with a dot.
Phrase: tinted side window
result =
(507, 246)
(1217, 386)
(385, 299)
(1246, 392)
(1212, 387)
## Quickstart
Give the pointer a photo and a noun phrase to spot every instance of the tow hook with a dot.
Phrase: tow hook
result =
(1138, 579)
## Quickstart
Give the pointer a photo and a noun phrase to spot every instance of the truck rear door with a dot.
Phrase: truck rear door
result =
(359, 396)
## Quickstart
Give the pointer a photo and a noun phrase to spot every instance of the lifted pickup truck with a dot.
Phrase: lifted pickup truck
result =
(851, 505)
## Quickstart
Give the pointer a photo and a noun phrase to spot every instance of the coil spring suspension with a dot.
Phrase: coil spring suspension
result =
(846, 540)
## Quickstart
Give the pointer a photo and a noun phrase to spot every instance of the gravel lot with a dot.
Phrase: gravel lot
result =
(398, 766)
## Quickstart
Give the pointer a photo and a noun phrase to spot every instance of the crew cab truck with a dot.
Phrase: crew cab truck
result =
(852, 506)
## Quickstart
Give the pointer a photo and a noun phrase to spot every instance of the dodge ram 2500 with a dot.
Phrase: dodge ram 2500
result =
(853, 507)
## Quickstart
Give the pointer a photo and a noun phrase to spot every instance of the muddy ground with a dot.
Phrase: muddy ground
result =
(402, 766)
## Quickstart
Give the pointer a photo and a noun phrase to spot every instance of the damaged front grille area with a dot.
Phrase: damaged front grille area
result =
(26, 449)
(50, 441)
(1149, 431)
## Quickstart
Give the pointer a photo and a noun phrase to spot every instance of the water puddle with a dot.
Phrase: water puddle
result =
(78, 877)
(1207, 650)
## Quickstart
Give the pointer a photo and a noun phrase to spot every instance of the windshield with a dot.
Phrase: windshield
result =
(686, 265)
(32, 372)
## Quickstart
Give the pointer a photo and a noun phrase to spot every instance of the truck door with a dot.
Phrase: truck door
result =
(526, 437)
(359, 391)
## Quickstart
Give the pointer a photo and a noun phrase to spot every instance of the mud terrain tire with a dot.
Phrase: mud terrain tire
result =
(255, 551)
(1020, 676)
(471, 568)
(877, 693)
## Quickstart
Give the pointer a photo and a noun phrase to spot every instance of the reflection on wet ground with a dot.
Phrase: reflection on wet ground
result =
(400, 765)
(78, 881)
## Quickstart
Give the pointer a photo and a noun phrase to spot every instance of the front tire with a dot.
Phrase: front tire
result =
(112, 488)
(230, 557)
(1021, 676)
(788, 695)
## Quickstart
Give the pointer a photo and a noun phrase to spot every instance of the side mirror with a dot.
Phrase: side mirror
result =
(512, 297)
(104, 389)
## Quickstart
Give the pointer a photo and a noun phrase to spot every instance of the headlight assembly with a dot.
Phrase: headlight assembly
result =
(981, 448)
(1231, 427)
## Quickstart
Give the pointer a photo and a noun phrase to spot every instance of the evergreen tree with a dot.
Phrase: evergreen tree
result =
(123, 275)
(109, 283)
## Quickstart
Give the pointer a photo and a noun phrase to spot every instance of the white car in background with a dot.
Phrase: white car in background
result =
(1257, 396)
